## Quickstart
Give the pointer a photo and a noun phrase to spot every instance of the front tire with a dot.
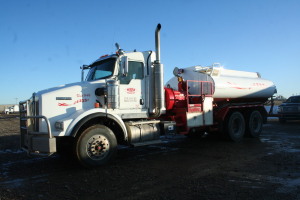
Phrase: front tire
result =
(97, 145)
(236, 127)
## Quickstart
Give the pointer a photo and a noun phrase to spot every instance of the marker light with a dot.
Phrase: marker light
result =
(59, 126)
(97, 105)
(104, 56)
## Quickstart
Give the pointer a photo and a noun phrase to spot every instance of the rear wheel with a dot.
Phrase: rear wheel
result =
(97, 145)
(235, 127)
(281, 120)
(255, 124)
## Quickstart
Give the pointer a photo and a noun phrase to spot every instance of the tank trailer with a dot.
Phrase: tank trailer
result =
(123, 101)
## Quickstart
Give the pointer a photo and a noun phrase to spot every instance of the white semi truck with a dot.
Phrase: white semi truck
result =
(123, 101)
(12, 109)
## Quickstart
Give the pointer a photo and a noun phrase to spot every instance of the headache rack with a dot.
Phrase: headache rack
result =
(33, 141)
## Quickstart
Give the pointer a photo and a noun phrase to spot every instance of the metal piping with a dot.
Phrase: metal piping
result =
(159, 94)
(157, 43)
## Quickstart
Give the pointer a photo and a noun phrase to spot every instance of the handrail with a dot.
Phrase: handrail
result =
(46, 120)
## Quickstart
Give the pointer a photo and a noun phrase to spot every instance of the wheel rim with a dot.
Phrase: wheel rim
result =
(236, 127)
(97, 147)
(256, 124)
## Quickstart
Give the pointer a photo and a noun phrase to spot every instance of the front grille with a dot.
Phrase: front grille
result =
(23, 106)
(28, 108)
(290, 109)
(32, 139)
(34, 112)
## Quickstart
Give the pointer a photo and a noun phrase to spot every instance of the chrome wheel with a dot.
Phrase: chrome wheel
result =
(97, 147)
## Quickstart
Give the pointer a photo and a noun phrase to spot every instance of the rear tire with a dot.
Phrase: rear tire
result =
(282, 121)
(97, 145)
(235, 127)
(254, 124)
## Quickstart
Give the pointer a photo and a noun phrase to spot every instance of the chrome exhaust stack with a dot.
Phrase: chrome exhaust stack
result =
(159, 95)
(157, 43)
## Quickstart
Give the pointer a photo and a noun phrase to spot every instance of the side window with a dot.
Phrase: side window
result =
(135, 71)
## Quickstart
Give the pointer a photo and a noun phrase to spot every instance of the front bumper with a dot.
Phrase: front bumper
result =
(33, 141)
(289, 116)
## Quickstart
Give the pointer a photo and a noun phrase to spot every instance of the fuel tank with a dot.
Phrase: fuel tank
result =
(228, 84)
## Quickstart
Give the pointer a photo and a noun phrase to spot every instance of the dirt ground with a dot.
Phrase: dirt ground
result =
(179, 168)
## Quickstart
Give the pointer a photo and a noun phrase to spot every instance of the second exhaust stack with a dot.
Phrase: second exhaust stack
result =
(159, 95)
(157, 43)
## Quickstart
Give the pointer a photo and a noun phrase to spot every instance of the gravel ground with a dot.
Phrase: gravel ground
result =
(179, 168)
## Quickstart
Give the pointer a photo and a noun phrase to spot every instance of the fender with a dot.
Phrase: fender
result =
(81, 120)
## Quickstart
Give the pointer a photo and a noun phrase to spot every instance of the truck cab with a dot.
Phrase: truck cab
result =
(126, 82)
(290, 109)
(116, 101)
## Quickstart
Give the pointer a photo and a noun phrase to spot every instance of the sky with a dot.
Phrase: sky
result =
(43, 43)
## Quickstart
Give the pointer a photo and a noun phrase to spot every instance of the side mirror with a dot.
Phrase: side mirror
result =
(84, 67)
(125, 66)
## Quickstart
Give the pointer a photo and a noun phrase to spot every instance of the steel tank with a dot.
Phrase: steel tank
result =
(228, 84)
(142, 131)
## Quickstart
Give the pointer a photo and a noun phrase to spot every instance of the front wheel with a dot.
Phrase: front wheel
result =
(236, 127)
(97, 145)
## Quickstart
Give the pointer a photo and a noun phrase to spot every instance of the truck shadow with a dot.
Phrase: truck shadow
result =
(10, 143)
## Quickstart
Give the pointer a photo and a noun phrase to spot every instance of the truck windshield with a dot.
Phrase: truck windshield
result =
(293, 99)
(102, 69)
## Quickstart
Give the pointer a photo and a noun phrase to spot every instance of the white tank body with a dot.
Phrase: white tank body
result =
(228, 84)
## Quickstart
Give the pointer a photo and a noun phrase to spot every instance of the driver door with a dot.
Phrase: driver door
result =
(132, 86)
